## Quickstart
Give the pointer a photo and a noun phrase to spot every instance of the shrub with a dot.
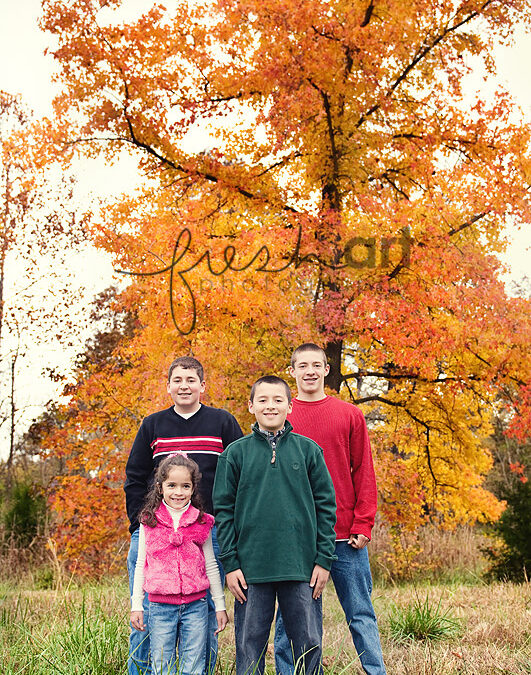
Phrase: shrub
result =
(422, 621)
(513, 560)
(25, 515)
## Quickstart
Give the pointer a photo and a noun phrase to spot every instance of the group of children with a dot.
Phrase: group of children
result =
(294, 502)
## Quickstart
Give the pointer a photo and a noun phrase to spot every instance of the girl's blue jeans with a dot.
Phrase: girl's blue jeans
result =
(138, 662)
(181, 628)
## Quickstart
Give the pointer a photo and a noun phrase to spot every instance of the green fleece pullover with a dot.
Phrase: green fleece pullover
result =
(275, 513)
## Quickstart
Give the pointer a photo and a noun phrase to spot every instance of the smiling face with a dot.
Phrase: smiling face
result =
(185, 389)
(270, 406)
(178, 488)
(309, 371)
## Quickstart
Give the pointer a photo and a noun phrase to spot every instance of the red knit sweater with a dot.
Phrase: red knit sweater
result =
(340, 429)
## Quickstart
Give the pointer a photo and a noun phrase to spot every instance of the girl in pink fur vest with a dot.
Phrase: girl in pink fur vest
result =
(175, 566)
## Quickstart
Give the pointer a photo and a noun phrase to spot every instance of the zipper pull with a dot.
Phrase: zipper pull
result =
(274, 450)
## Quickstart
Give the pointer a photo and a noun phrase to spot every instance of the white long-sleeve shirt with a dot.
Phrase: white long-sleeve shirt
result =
(211, 566)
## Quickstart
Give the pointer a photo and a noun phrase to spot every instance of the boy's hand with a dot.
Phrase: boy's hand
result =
(318, 580)
(358, 540)
(235, 582)
(137, 620)
(222, 619)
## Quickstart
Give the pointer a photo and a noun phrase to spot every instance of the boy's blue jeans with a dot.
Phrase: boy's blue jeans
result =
(138, 662)
(178, 626)
(352, 579)
(303, 619)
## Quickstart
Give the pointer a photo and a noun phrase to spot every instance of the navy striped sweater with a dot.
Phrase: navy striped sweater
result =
(203, 437)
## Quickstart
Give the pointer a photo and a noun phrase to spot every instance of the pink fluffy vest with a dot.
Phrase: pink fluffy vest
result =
(175, 564)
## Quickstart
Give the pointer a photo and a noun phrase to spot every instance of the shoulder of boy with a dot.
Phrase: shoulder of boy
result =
(352, 408)
(310, 444)
(354, 413)
(154, 416)
(220, 412)
(234, 447)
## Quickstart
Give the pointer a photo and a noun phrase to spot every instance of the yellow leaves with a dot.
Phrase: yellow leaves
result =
(400, 491)
(438, 457)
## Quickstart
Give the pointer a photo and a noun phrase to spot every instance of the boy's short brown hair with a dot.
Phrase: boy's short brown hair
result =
(270, 379)
(188, 363)
(307, 347)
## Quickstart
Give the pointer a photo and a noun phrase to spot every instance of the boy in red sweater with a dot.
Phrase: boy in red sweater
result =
(340, 429)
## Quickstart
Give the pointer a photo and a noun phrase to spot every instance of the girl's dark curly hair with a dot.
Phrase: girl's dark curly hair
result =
(154, 496)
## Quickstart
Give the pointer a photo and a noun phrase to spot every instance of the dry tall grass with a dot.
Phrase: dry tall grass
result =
(495, 637)
(431, 553)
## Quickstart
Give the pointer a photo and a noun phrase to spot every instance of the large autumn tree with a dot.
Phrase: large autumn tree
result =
(345, 186)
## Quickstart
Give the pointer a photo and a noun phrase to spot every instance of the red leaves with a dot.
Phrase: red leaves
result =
(519, 469)
(520, 424)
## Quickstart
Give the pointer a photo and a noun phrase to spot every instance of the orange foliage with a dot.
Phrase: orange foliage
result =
(519, 470)
(342, 155)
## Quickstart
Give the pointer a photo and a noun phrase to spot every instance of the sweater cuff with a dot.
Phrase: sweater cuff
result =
(136, 607)
(361, 529)
(219, 604)
(325, 561)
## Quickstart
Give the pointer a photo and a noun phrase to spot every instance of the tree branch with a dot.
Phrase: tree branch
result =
(427, 428)
(406, 376)
(421, 53)
(468, 223)
(368, 14)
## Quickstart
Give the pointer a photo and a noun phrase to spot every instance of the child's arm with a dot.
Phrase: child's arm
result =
(138, 470)
(216, 589)
(363, 480)
(224, 499)
(325, 510)
(137, 597)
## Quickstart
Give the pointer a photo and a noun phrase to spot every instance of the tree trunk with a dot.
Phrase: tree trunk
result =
(333, 354)
(9, 463)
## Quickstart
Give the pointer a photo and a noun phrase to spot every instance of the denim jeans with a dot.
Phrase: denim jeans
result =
(182, 628)
(352, 579)
(212, 640)
(138, 662)
(303, 619)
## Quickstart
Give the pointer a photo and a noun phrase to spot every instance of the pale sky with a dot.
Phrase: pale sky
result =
(27, 71)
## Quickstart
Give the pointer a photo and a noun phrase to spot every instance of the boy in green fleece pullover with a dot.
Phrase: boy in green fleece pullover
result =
(275, 514)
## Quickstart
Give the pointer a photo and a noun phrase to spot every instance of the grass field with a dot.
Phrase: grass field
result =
(83, 630)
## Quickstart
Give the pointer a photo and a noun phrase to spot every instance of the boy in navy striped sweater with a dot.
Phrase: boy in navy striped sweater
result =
(187, 426)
